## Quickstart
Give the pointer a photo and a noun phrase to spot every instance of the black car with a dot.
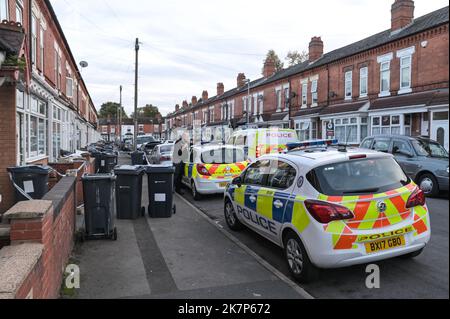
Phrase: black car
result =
(423, 160)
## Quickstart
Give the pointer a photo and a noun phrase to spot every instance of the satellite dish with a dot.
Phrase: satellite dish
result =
(84, 64)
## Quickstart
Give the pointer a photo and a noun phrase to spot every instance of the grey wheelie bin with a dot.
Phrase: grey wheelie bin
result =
(129, 191)
(160, 191)
(33, 180)
(138, 158)
(99, 206)
(107, 163)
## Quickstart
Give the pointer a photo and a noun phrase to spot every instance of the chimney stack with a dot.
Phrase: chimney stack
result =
(402, 14)
(194, 100)
(177, 108)
(269, 67)
(185, 104)
(205, 96)
(241, 80)
(220, 89)
(315, 49)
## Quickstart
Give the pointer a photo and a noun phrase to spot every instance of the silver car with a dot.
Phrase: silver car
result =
(162, 154)
(423, 160)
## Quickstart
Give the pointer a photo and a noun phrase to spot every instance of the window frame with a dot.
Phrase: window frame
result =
(314, 92)
(363, 79)
(386, 71)
(348, 79)
(402, 70)
(5, 6)
(304, 95)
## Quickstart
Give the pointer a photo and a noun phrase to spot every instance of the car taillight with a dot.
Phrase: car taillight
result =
(202, 170)
(417, 198)
(258, 151)
(165, 158)
(325, 212)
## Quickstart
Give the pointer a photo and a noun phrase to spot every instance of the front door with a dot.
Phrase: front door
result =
(439, 128)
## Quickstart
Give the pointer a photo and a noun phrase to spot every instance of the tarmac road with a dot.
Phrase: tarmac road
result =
(423, 277)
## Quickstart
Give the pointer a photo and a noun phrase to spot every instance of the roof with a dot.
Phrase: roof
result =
(343, 108)
(308, 111)
(420, 24)
(12, 37)
(427, 98)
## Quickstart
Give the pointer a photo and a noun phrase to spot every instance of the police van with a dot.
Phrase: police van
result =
(330, 207)
(258, 142)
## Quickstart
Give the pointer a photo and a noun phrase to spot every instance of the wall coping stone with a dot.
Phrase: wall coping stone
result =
(34, 209)
(59, 194)
(16, 263)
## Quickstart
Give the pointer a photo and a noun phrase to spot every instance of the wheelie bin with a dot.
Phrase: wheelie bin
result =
(32, 180)
(107, 163)
(138, 158)
(129, 192)
(160, 191)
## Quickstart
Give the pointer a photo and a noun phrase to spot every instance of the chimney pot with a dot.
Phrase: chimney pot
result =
(220, 89)
(241, 80)
(315, 49)
(402, 14)
(269, 67)
(177, 108)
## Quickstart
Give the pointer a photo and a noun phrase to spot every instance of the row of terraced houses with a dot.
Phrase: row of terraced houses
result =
(394, 82)
(45, 105)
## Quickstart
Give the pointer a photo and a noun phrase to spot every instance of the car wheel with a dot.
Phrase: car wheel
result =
(412, 255)
(195, 193)
(297, 259)
(429, 185)
(230, 217)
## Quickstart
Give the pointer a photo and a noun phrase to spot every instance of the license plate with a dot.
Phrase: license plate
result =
(224, 184)
(385, 244)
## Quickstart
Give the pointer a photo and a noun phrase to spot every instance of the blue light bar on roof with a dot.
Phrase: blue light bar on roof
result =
(312, 144)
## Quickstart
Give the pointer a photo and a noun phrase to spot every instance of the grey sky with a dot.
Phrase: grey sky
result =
(189, 46)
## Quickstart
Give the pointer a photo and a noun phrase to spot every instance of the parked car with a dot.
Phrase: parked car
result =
(425, 161)
(144, 139)
(162, 154)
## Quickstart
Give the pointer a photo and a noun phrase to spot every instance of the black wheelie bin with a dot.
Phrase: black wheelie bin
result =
(160, 191)
(129, 191)
(33, 180)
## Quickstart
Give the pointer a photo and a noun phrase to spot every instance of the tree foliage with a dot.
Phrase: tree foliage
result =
(296, 57)
(149, 111)
(109, 109)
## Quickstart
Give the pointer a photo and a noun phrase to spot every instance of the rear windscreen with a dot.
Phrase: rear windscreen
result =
(166, 149)
(358, 177)
(223, 156)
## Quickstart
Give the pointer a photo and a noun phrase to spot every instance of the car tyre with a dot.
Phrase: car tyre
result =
(413, 254)
(429, 185)
(195, 194)
(298, 260)
(230, 217)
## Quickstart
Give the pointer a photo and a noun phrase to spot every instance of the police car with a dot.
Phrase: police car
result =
(212, 167)
(330, 207)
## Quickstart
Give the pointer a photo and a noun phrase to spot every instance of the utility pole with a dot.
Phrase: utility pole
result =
(248, 108)
(136, 95)
(120, 116)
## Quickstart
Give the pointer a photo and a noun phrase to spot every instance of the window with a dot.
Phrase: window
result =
(257, 173)
(440, 116)
(304, 94)
(401, 148)
(348, 85)
(346, 131)
(19, 11)
(33, 39)
(4, 10)
(387, 125)
(363, 82)
(286, 99)
(385, 78)
(381, 145)
(281, 176)
(314, 93)
(20, 99)
(41, 48)
(69, 87)
(367, 143)
(278, 100)
(405, 73)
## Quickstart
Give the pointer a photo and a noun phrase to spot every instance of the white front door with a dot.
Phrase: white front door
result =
(439, 128)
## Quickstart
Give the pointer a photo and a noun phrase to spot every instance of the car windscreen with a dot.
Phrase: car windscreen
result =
(166, 149)
(430, 149)
(223, 156)
(145, 139)
(358, 177)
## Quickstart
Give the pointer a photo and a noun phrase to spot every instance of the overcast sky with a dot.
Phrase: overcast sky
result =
(189, 46)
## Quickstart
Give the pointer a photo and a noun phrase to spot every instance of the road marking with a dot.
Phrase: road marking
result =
(260, 260)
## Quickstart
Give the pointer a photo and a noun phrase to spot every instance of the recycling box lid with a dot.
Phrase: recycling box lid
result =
(160, 169)
(30, 169)
(129, 170)
(98, 177)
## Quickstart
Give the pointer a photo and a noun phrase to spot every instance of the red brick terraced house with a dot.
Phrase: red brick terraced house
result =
(394, 82)
(44, 103)
(110, 129)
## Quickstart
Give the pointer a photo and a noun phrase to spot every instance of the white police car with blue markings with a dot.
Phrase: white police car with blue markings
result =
(330, 207)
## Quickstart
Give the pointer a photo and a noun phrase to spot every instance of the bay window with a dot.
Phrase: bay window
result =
(363, 82)
(398, 124)
(348, 85)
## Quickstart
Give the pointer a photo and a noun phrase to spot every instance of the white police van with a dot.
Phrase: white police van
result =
(330, 207)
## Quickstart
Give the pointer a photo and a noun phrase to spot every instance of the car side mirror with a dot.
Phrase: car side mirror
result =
(237, 181)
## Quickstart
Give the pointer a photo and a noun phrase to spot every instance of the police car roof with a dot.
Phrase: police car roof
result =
(319, 156)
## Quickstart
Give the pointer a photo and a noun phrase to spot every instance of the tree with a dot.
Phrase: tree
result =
(109, 109)
(148, 111)
(278, 64)
(295, 57)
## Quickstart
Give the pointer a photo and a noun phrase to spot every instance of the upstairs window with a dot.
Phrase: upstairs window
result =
(314, 95)
(348, 85)
(33, 39)
(385, 77)
(41, 48)
(304, 94)
(278, 100)
(363, 82)
(405, 73)
(19, 11)
(69, 87)
(286, 99)
(4, 10)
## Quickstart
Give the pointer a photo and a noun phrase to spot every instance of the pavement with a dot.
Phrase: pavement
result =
(187, 256)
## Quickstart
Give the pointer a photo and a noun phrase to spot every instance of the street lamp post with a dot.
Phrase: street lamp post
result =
(248, 101)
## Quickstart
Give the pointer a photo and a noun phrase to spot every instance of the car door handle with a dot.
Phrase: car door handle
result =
(278, 204)
(252, 199)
